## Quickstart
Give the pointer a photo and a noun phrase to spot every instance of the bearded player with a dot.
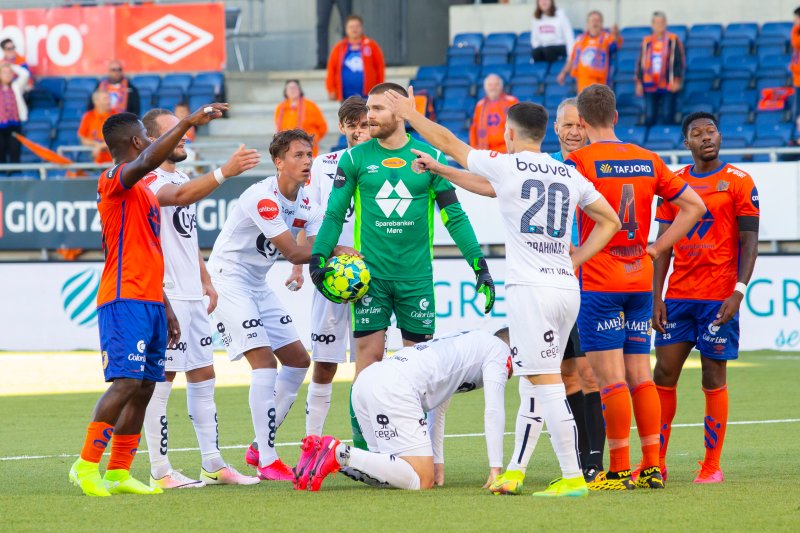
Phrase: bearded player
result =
(186, 282)
(394, 208)
(135, 319)
(712, 267)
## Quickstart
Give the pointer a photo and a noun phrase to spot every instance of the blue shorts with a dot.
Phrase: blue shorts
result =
(133, 340)
(614, 320)
(690, 321)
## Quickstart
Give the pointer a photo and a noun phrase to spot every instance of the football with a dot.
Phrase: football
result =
(350, 277)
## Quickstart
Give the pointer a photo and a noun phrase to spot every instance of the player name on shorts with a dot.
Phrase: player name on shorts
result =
(393, 226)
(548, 247)
(559, 271)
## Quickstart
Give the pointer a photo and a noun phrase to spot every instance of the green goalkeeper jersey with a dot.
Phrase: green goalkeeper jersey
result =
(394, 211)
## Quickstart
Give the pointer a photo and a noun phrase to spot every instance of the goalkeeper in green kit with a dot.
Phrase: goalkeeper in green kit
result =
(394, 208)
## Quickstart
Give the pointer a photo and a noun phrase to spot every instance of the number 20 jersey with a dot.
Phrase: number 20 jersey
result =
(538, 196)
(629, 177)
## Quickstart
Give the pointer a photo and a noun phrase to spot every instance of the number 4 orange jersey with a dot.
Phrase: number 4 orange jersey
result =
(629, 177)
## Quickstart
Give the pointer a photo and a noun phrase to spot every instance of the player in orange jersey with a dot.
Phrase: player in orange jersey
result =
(592, 53)
(614, 322)
(135, 319)
(713, 264)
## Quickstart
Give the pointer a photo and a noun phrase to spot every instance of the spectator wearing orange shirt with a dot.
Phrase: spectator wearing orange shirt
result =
(592, 53)
(123, 95)
(794, 66)
(356, 63)
(296, 111)
(659, 72)
(489, 118)
(90, 131)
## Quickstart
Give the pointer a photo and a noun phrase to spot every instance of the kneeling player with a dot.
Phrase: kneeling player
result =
(712, 267)
(390, 401)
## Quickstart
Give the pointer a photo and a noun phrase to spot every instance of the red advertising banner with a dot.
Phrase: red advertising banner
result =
(77, 41)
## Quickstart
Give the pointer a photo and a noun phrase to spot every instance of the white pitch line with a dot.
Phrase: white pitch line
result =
(455, 436)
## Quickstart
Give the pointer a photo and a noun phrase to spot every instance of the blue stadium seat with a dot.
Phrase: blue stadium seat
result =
(737, 100)
(730, 86)
(461, 75)
(632, 134)
(66, 137)
(550, 144)
(703, 68)
(521, 57)
(504, 71)
(769, 142)
(458, 103)
(437, 73)
(773, 66)
(182, 81)
(627, 121)
(745, 132)
(681, 30)
(456, 126)
(149, 82)
(781, 131)
(699, 100)
(523, 38)
(766, 50)
(42, 114)
(734, 143)
(504, 40)
(145, 101)
(630, 104)
(553, 100)
(700, 51)
(712, 31)
(685, 160)
(54, 85)
(731, 120)
(742, 29)
(626, 60)
(475, 40)
(537, 69)
(493, 55)
(199, 95)
(635, 33)
(452, 114)
(740, 67)
(83, 83)
(70, 114)
(777, 28)
(40, 98)
(76, 99)
(461, 56)
(429, 86)
(168, 97)
(768, 119)
(216, 79)
(556, 67)
(526, 92)
(664, 137)
(764, 83)
(562, 91)
(36, 125)
(697, 85)
(732, 50)
(624, 87)
(456, 92)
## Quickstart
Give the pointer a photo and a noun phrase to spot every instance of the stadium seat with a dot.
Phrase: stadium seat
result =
(82, 83)
(36, 125)
(76, 99)
(632, 134)
(461, 56)
(707, 101)
(200, 95)
(456, 92)
(771, 49)
(528, 92)
(550, 144)
(523, 38)
(742, 29)
(456, 125)
(556, 67)
(561, 91)
(42, 114)
(703, 68)
(712, 31)
(149, 82)
(765, 83)
(681, 30)
(773, 66)
(634, 36)
(521, 57)
(663, 137)
(66, 137)
(537, 69)
(736, 99)
(783, 29)
(745, 132)
(145, 101)
(729, 50)
(474, 40)
(41, 98)
(733, 119)
(624, 87)
(768, 119)
(627, 121)
(168, 97)
(452, 114)
(778, 141)
(437, 73)
(493, 55)
(630, 104)
(461, 75)
(504, 71)
(705, 50)
(182, 81)
(215, 79)
(626, 61)
(429, 86)
(54, 85)
(504, 40)
(697, 85)
(739, 67)
(728, 87)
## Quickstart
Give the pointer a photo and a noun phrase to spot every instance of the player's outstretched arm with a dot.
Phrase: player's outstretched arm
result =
(462, 178)
(660, 268)
(606, 225)
(436, 429)
(195, 190)
(691, 209)
(494, 419)
(437, 135)
(155, 154)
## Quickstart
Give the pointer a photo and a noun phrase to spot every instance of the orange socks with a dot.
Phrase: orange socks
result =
(668, 397)
(97, 436)
(715, 423)
(123, 450)
(617, 412)
(647, 409)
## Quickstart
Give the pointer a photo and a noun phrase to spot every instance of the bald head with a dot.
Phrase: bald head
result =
(493, 86)
(114, 71)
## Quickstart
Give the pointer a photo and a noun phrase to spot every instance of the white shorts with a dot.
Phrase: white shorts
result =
(194, 349)
(390, 413)
(248, 319)
(540, 320)
(331, 332)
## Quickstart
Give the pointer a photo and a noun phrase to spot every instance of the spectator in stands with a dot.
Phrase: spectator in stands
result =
(795, 63)
(123, 95)
(324, 12)
(13, 111)
(90, 132)
(296, 111)
(10, 54)
(659, 72)
(552, 36)
(356, 63)
(489, 119)
(182, 111)
(592, 53)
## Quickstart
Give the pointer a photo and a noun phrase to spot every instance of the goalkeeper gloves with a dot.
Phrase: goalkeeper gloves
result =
(484, 283)
(318, 272)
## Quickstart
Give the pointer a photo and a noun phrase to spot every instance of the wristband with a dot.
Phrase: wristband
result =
(219, 176)
(741, 288)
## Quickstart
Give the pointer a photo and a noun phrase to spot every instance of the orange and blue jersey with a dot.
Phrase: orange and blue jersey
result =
(131, 219)
(489, 123)
(591, 58)
(706, 260)
(629, 177)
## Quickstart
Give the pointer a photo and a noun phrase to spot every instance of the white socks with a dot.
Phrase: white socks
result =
(384, 468)
(203, 413)
(528, 427)
(156, 430)
(262, 410)
(318, 403)
(286, 387)
(552, 404)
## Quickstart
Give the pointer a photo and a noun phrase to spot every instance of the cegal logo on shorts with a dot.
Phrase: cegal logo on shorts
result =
(141, 346)
(267, 209)
(170, 39)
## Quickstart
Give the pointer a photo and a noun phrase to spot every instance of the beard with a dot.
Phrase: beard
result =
(177, 156)
(382, 131)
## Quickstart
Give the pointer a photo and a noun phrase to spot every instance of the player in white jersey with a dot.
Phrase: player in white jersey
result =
(186, 282)
(331, 332)
(249, 316)
(390, 400)
(538, 196)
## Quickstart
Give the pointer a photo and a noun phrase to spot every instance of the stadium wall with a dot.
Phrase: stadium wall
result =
(488, 18)
(59, 309)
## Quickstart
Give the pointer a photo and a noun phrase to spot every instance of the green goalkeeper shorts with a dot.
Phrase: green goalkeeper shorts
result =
(411, 301)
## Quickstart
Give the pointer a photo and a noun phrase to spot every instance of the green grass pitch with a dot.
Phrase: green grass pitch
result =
(759, 494)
